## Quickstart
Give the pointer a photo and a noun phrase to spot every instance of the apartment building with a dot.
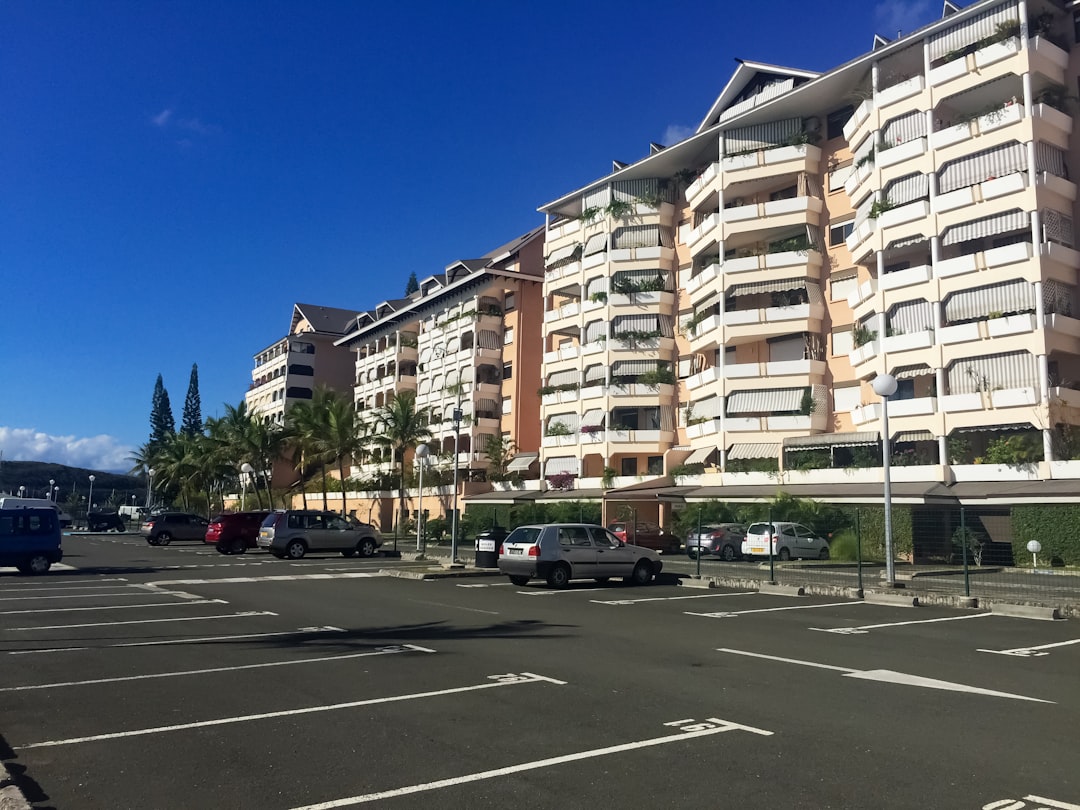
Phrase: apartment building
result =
(719, 309)
(465, 341)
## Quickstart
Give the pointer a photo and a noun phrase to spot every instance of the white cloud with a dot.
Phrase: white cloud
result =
(102, 452)
(162, 118)
(675, 133)
(902, 15)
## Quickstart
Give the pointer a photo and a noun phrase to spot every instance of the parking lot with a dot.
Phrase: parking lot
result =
(176, 677)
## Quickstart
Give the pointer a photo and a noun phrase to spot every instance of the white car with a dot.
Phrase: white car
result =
(560, 552)
(788, 540)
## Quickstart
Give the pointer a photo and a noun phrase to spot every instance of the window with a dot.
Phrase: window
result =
(836, 120)
(508, 371)
(508, 302)
(507, 405)
(839, 232)
(629, 466)
(843, 341)
(508, 336)
(905, 389)
(655, 465)
(841, 287)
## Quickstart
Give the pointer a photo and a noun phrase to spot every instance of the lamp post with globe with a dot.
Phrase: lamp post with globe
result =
(149, 488)
(884, 386)
(245, 473)
(421, 453)
(52, 483)
(90, 501)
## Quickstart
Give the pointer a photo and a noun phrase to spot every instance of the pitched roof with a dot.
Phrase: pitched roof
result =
(325, 319)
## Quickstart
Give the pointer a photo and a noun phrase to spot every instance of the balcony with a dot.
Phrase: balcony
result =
(568, 228)
(859, 173)
(708, 273)
(570, 310)
(772, 261)
(899, 92)
(651, 438)
(774, 161)
(699, 190)
(772, 214)
(1010, 325)
(649, 299)
(706, 333)
(696, 236)
(900, 153)
(908, 342)
(706, 377)
(651, 254)
(773, 321)
(860, 116)
(906, 278)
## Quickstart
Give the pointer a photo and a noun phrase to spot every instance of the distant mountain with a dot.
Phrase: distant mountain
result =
(35, 476)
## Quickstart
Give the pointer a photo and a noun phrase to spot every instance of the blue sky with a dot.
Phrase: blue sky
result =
(177, 174)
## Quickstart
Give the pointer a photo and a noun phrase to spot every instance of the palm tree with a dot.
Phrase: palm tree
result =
(309, 431)
(243, 438)
(400, 427)
(343, 438)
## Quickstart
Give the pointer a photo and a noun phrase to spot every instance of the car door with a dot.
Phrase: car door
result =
(196, 528)
(576, 547)
(807, 543)
(339, 534)
(614, 558)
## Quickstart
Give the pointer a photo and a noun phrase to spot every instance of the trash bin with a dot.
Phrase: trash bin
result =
(487, 547)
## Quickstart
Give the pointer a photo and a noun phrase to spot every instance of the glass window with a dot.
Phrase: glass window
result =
(656, 465)
(629, 466)
(508, 302)
(577, 536)
(508, 371)
(839, 232)
(836, 121)
(336, 522)
(603, 537)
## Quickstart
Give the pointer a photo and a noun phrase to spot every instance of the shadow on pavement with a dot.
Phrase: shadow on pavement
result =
(17, 776)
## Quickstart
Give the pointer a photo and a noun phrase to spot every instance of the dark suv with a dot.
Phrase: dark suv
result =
(162, 528)
(235, 533)
(104, 521)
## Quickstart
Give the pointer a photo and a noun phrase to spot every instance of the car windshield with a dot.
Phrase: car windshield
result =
(758, 528)
(524, 534)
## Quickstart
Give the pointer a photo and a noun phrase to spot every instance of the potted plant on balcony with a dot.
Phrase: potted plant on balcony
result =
(654, 378)
(619, 208)
(691, 324)
(561, 481)
(557, 429)
(861, 335)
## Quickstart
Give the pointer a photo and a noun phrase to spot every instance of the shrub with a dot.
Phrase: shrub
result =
(1057, 527)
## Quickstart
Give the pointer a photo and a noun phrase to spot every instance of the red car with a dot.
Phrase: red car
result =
(236, 532)
(646, 535)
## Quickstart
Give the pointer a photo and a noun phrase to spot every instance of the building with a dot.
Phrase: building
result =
(716, 312)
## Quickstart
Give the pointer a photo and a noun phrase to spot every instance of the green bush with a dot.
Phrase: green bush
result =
(1057, 527)
(843, 545)
(872, 525)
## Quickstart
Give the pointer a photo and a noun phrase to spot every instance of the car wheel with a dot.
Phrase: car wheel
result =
(295, 550)
(164, 538)
(643, 573)
(279, 554)
(603, 580)
(559, 577)
(352, 552)
(784, 555)
(152, 541)
(367, 547)
(239, 546)
(222, 548)
(728, 554)
(38, 564)
(519, 581)
(824, 554)
(693, 554)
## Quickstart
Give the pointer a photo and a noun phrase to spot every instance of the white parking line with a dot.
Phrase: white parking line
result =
(66, 585)
(238, 637)
(669, 598)
(495, 681)
(557, 593)
(1033, 652)
(243, 614)
(273, 578)
(389, 650)
(866, 628)
(711, 726)
(76, 596)
(117, 607)
(733, 613)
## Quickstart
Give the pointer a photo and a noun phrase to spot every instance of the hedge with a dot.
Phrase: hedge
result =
(1057, 527)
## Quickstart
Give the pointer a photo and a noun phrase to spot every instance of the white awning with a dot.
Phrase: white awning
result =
(908, 189)
(561, 254)
(909, 372)
(859, 438)
(1000, 161)
(753, 450)
(1010, 297)
(914, 436)
(698, 456)
(593, 417)
(1007, 370)
(970, 30)
(521, 462)
(995, 225)
(562, 464)
(597, 244)
(765, 401)
(781, 285)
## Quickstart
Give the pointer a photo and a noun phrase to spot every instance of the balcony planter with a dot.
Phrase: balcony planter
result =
(1010, 325)
(1058, 185)
(954, 403)
(960, 333)
(996, 52)
(702, 182)
(802, 151)
(1045, 48)
(1000, 186)
(793, 205)
(867, 413)
(742, 423)
(797, 312)
(742, 265)
(920, 406)
(741, 317)
(1065, 469)
(994, 472)
(792, 258)
(780, 368)
(1003, 117)
(741, 213)
(737, 371)
(951, 135)
(862, 112)
(863, 292)
(904, 213)
(949, 71)
(857, 176)
(905, 343)
(898, 92)
(1013, 397)
(734, 163)
(864, 352)
(1060, 254)
(906, 277)
(945, 268)
(901, 152)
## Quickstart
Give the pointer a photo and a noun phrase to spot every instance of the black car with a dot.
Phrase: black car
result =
(105, 521)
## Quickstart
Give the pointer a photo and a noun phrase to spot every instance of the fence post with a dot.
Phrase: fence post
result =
(858, 545)
(964, 545)
(772, 568)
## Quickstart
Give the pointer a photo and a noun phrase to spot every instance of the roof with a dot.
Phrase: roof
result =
(330, 320)
(743, 75)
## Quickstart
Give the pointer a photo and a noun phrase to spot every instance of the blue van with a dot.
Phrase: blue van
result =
(30, 539)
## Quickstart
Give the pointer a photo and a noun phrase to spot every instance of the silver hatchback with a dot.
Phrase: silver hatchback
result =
(560, 552)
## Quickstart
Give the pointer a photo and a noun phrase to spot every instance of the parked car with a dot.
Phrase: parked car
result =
(104, 521)
(294, 532)
(560, 552)
(236, 532)
(646, 535)
(10, 502)
(789, 540)
(162, 528)
(721, 539)
(30, 539)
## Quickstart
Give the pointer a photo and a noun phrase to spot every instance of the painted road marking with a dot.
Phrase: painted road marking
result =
(66, 585)
(669, 598)
(240, 637)
(733, 613)
(493, 682)
(387, 650)
(484, 584)
(866, 628)
(1033, 652)
(75, 596)
(690, 730)
(53, 567)
(889, 676)
(274, 578)
(242, 614)
(556, 593)
(1041, 803)
(117, 607)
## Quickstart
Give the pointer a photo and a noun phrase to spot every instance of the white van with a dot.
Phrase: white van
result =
(9, 502)
(134, 513)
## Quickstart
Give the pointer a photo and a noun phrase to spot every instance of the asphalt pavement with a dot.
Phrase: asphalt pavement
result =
(175, 677)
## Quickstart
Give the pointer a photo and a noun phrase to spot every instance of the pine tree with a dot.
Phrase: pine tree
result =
(192, 424)
(412, 285)
(162, 424)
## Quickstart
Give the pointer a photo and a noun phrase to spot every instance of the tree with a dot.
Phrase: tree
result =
(192, 423)
(499, 450)
(400, 427)
(412, 285)
(343, 437)
(162, 424)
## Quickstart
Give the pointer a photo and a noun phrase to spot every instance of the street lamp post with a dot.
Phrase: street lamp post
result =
(149, 487)
(90, 501)
(421, 458)
(52, 483)
(22, 491)
(245, 473)
(56, 494)
(454, 523)
(884, 386)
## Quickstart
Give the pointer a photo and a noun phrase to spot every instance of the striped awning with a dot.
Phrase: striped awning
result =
(757, 136)
(1012, 296)
(595, 374)
(858, 438)
(597, 244)
(904, 128)
(563, 377)
(753, 450)
(593, 417)
(907, 241)
(562, 464)
(911, 317)
(487, 405)
(995, 225)
(995, 428)
(910, 372)
(1007, 370)
(779, 285)
(765, 401)
(698, 456)
(1000, 161)
(522, 462)
(569, 420)
(561, 254)
(914, 436)
(634, 236)
(624, 368)
(971, 30)
(908, 189)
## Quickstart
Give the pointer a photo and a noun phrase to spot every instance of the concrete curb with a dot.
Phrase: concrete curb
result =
(782, 590)
(894, 599)
(11, 798)
(438, 573)
(1024, 611)
(696, 582)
